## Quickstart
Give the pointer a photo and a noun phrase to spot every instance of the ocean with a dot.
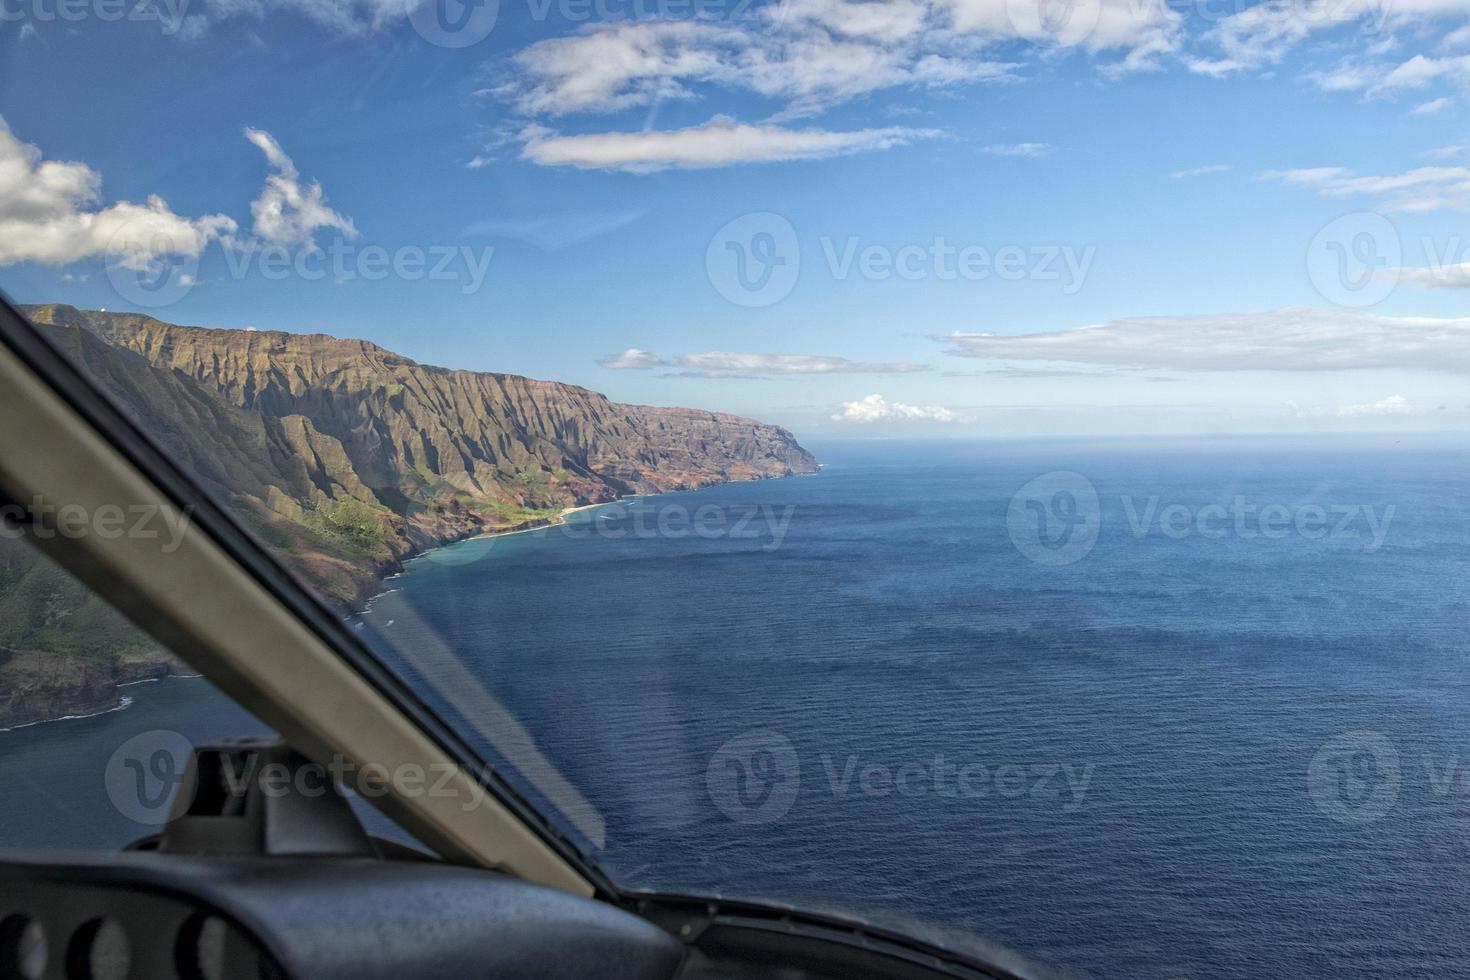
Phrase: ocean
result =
(1151, 709)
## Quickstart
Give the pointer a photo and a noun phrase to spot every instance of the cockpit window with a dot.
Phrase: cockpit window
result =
(990, 467)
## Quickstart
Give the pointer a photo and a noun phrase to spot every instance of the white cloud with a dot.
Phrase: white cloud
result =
(813, 54)
(1430, 108)
(876, 408)
(612, 66)
(1418, 190)
(1263, 34)
(288, 212)
(1346, 77)
(719, 142)
(1392, 405)
(1212, 168)
(1295, 339)
(352, 18)
(1032, 150)
(50, 213)
(1445, 152)
(1421, 70)
(631, 359)
(725, 364)
(1455, 275)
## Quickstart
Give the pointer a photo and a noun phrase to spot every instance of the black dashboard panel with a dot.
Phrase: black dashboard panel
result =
(154, 915)
(162, 916)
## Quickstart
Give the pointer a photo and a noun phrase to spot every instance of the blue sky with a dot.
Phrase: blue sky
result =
(881, 218)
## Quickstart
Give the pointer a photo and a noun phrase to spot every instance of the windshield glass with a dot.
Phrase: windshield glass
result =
(994, 467)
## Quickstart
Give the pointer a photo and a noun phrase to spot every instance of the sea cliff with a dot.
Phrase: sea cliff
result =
(345, 459)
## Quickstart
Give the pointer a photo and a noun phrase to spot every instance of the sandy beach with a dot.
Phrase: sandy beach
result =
(560, 518)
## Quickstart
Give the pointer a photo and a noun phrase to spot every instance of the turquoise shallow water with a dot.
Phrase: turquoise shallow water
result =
(1185, 753)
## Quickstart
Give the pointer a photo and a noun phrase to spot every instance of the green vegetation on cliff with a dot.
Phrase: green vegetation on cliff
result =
(344, 459)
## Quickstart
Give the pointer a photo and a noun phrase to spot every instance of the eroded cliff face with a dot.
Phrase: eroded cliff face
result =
(345, 458)
(414, 429)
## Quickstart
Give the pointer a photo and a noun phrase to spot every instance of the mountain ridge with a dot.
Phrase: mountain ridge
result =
(345, 459)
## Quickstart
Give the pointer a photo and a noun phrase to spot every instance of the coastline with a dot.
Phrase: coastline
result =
(95, 692)
(556, 521)
(110, 698)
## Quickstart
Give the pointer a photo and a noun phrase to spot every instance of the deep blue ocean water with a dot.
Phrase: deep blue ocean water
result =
(1197, 746)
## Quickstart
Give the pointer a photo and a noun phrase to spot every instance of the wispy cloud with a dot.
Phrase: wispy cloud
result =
(1295, 339)
(1452, 275)
(814, 54)
(1418, 190)
(1392, 405)
(1211, 168)
(1430, 108)
(632, 359)
(723, 364)
(1031, 150)
(554, 232)
(876, 408)
(719, 142)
